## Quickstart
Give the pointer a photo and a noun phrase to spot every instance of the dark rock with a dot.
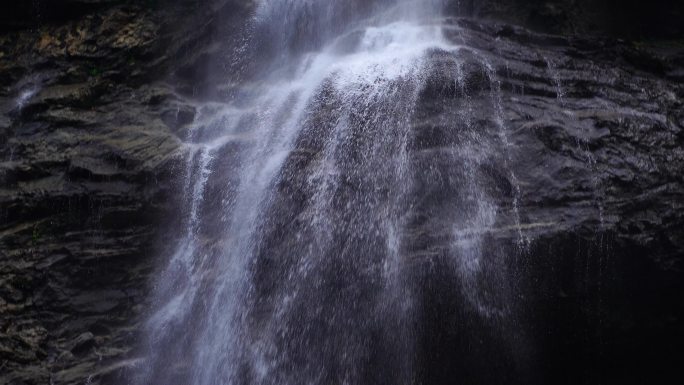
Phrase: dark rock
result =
(89, 152)
(86, 160)
(82, 344)
(627, 18)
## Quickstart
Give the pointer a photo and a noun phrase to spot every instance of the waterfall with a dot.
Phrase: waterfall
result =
(311, 203)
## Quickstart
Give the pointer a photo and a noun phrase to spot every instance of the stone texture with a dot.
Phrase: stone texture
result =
(579, 144)
(596, 146)
(89, 143)
(93, 103)
(631, 19)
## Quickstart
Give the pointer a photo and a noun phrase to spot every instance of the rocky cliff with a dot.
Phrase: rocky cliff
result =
(631, 19)
(596, 131)
(90, 115)
(94, 99)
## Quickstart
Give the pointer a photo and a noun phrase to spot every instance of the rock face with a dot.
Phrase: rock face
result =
(93, 105)
(618, 18)
(577, 143)
(89, 140)
(596, 145)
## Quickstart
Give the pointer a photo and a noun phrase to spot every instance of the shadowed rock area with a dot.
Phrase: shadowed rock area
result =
(632, 19)
(96, 98)
(89, 144)
(596, 136)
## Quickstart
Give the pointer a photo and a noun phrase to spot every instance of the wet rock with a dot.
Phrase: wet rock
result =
(90, 144)
(576, 161)
(627, 19)
(86, 160)
(82, 344)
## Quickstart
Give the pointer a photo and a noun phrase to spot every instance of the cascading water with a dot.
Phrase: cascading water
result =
(581, 143)
(309, 254)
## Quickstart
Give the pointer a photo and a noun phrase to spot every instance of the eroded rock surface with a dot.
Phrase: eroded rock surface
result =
(572, 147)
(592, 177)
(93, 108)
(90, 133)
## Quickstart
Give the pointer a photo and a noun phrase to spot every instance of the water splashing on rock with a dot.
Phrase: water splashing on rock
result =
(317, 207)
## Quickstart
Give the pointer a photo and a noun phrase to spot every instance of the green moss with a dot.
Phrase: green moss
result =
(35, 235)
(659, 43)
(151, 3)
(95, 72)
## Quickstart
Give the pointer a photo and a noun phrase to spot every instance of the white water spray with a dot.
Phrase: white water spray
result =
(306, 259)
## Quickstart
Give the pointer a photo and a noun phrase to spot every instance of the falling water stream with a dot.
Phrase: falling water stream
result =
(310, 206)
